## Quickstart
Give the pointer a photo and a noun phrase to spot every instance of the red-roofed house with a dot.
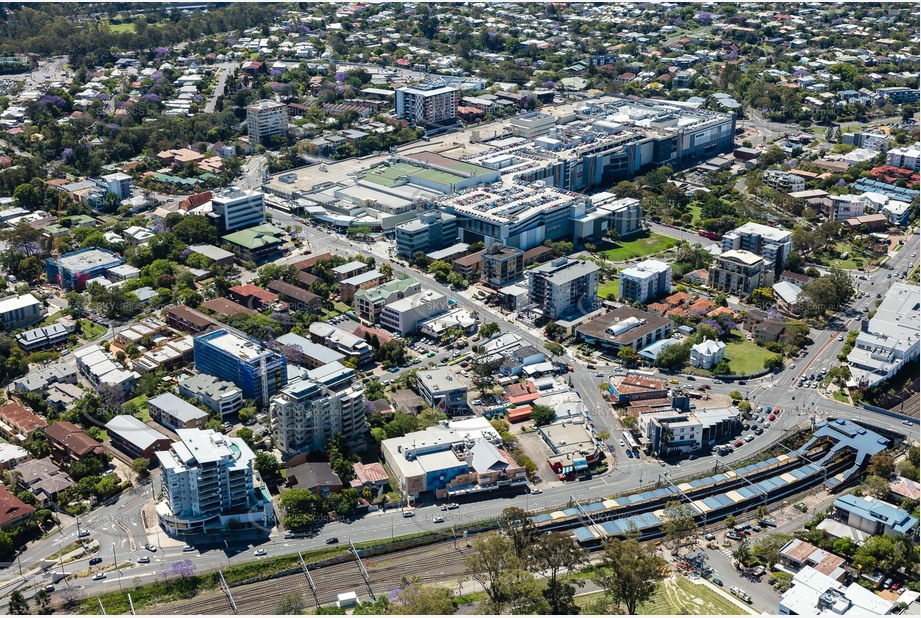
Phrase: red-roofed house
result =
(252, 296)
(701, 306)
(13, 511)
(521, 393)
(371, 475)
(194, 201)
(17, 422)
(70, 442)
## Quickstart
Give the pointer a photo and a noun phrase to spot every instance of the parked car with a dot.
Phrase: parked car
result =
(332, 541)
(260, 552)
(717, 581)
(766, 521)
(188, 548)
(710, 537)
(83, 534)
(438, 519)
(737, 443)
(733, 535)
(535, 491)
(49, 588)
(453, 505)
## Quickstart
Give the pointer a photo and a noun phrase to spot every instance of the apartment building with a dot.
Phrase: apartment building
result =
(771, 243)
(563, 287)
(18, 423)
(502, 265)
(235, 209)
(364, 281)
(341, 341)
(427, 103)
(739, 272)
(69, 442)
(258, 371)
(302, 351)
(672, 432)
(20, 311)
(175, 413)
(845, 207)
(207, 484)
(908, 158)
(329, 401)
(369, 303)
(136, 439)
(428, 232)
(264, 119)
(217, 395)
(783, 181)
(645, 282)
(97, 366)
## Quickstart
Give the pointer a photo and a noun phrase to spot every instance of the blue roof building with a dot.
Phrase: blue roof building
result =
(73, 270)
(238, 359)
(874, 516)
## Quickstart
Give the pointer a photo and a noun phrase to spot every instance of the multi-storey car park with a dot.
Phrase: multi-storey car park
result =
(607, 140)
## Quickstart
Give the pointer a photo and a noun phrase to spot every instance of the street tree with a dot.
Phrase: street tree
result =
(557, 552)
(414, 599)
(492, 556)
(628, 355)
(17, 604)
(678, 523)
(629, 573)
(882, 464)
(290, 605)
(517, 526)
(742, 553)
(43, 603)
(875, 486)
(488, 330)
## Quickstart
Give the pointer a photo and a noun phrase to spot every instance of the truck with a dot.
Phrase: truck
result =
(741, 594)
(710, 235)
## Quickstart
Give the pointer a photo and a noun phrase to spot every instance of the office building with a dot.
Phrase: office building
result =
(402, 316)
(208, 486)
(502, 265)
(624, 327)
(369, 303)
(460, 459)
(217, 395)
(442, 390)
(889, 339)
(260, 372)
(873, 516)
(813, 593)
(739, 272)
(256, 244)
(20, 311)
(328, 402)
(364, 281)
(563, 287)
(623, 215)
(428, 232)
(439, 325)
(235, 209)
(136, 439)
(341, 341)
(74, 270)
(908, 158)
(771, 243)
(645, 282)
(427, 103)
(265, 119)
(175, 413)
(671, 431)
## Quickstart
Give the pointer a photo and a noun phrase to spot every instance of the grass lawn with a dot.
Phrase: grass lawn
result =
(609, 287)
(121, 27)
(90, 330)
(695, 214)
(744, 356)
(676, 597)
(141, 402)
(842, 397)
(640, 246)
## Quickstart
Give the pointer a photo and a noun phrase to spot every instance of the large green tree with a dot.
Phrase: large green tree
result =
(556, 552)
(628, 573)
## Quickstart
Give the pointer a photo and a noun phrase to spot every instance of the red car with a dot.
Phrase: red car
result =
(896, 586)
(771, 417)
(737, 443)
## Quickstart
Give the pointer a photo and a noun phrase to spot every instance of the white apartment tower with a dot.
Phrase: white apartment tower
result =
(266, 118)
(427, 103)
(236, 209)
(207, 483)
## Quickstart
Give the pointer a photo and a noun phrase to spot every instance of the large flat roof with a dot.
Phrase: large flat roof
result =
(771, 233)
(177, 407)
(88, 259)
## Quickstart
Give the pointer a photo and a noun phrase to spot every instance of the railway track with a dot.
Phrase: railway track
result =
(429, 564)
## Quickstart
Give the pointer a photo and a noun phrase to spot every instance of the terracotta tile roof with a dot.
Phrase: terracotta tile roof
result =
(226, 307)
(12, 509)
(21, 417)
(310, 262)
(73, 438)
(248, 289)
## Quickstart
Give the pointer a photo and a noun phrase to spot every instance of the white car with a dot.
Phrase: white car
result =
(536, 491)
(260, 552)
(99, 576)
(143, 559)
(187, 548)
(438, 519)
